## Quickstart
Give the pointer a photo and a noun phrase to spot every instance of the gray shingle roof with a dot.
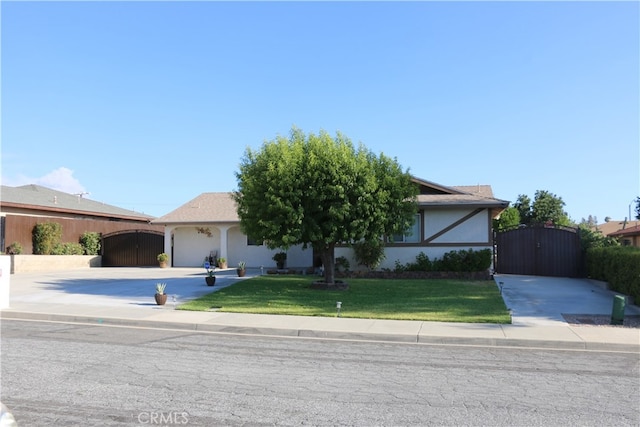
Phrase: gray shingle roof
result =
(36, 197)
(481, 195)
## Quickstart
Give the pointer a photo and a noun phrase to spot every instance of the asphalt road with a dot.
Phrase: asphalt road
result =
(87, 375)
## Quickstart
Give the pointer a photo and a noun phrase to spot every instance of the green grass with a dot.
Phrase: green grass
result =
(403, 299)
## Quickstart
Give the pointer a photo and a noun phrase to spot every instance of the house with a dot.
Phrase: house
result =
(612, 226)
(448, 218)
(21, 208)
(629, 236)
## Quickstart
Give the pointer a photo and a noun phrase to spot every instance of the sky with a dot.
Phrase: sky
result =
(146, 105)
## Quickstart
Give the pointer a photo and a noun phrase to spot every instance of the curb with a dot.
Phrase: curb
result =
(322, 334)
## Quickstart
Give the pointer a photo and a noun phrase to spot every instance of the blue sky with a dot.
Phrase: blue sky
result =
(145, 105)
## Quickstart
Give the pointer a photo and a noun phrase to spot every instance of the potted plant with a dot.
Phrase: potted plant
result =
(161, 297)
(242, 268)
(211, 274)
(280, 259)
(222, 263)
(163, 259)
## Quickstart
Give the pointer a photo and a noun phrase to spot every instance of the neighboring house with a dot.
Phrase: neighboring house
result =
(21, 208)
(448, 218)
(612, 226)
(629, 236)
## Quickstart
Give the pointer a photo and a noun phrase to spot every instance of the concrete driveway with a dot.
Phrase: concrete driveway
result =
(543, 300)
(116, 286)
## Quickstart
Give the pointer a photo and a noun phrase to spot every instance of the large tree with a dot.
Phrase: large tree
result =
(321, 191)
(509, 218)
(546, 207)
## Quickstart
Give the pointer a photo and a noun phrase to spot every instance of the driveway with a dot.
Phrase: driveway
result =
(543, 300)
(116, 286)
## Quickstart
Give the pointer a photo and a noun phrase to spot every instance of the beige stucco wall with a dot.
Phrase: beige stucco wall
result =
(35, 263)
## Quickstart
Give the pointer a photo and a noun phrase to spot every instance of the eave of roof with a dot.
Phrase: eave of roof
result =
(630, 231)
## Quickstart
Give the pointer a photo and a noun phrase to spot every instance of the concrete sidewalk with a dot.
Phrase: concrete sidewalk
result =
(124, 297)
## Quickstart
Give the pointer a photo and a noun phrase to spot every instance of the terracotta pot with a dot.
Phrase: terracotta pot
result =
(222, 265)
(161, 299)
(211, 280)
(241, 273)
(163, 264)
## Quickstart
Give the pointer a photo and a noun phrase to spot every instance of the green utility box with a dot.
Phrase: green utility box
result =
(617, 315)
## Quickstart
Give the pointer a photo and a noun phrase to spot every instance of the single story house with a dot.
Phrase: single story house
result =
(448, 218)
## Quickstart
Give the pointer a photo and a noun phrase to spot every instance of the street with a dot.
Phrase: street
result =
(91, 375)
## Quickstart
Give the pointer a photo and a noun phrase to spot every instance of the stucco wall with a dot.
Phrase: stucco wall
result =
(474, 233)
(474, 230)
(190, 247)
(35, 263)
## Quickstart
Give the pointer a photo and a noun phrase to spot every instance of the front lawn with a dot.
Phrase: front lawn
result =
(402, 299)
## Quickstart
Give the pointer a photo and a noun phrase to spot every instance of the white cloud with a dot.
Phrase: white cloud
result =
(60, 179)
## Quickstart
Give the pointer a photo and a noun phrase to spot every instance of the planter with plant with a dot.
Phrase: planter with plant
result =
(222, 263)
(161, 297)
(211, 274)
(280, 258)
(242, 268)
(163, 259)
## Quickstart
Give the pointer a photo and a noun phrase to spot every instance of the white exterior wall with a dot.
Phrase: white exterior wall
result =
(298, 257)
(260, 256)
(255, 256)
(190, 247)
(474, 233)
(473, 230)
(5, 281)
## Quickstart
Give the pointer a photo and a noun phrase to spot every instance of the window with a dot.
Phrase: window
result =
(252, 242)
(412, 236)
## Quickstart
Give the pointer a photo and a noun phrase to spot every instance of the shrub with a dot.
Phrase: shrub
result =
(594, 239)
(90, 242)
(45, 237)
(619, 266)
(369, 253)
(342, 263)
(457, 261)
(68, 248)
(14, 249)
(465, 260)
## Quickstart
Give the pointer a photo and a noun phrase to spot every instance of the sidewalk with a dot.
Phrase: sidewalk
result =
(63, 298)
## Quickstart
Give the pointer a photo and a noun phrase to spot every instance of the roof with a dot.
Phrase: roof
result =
(221, 208)
(612, 226)
(36, 197)
(629, 231)
(207, 207)
(480, 195)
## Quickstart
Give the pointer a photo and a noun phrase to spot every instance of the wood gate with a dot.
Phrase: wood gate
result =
(539, 251)
(138, 248)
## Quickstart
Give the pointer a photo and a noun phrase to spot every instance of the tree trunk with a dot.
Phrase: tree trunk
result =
(327, 254)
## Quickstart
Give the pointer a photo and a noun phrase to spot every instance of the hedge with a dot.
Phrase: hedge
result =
(619, 266)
